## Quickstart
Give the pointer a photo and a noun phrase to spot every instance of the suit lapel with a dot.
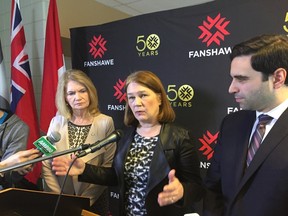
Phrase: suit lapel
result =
(239, 144)
(242, 149)
(273, 139)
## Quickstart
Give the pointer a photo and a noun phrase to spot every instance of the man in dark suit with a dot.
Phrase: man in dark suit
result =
(257, 184)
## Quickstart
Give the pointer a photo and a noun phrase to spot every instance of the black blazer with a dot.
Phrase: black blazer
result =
(174, 150)
(261, 189)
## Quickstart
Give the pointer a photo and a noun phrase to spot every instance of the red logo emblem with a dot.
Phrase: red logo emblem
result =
(213, 30)
(97, 46)
(207, 140)
(119, 91)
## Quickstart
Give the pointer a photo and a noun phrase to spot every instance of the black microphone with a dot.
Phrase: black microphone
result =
(45, 144)
(113, 137)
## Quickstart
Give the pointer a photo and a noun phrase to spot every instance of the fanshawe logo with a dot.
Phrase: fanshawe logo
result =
(119, 91)
(180, 96)
(147, 46)
(214, 30)
(207, 141)
(97, 49)
(120, 95)
(97, 46)
(153, 42)
(185, 92)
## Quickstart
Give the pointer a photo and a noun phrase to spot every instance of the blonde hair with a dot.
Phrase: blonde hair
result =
(151, 81)
(79, 77)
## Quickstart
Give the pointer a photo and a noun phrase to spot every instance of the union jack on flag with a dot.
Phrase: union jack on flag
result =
(22, 101)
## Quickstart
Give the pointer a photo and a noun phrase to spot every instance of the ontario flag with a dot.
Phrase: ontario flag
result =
(53, 67)
(23, 101)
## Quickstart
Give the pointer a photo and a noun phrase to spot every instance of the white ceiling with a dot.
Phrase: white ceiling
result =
(138, 7)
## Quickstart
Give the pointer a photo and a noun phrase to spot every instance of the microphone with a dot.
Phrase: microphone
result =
(45, 144)
(113, 137)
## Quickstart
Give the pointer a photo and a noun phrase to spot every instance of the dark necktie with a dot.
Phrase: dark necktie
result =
(257, 137)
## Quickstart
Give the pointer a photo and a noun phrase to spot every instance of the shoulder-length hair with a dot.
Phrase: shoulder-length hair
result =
(151, 81)
(81, 78)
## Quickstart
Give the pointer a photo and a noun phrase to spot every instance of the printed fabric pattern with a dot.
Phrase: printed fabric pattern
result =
(137, 172)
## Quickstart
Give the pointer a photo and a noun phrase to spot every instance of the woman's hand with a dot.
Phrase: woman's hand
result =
(61, 165)
(172, 192)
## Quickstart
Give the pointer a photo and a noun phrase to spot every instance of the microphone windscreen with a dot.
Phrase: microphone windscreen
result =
(54, 137)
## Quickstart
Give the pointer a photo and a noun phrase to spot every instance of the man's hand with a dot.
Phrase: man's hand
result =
(20, 157)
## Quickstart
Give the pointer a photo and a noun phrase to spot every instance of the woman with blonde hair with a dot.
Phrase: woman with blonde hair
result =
(80, 121)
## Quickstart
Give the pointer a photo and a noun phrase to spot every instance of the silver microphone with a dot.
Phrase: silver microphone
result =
(113, 137)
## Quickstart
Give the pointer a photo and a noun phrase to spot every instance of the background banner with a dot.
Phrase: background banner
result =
(187, 48)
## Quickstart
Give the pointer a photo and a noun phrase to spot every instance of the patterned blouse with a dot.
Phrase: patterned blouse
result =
(77, 134)
(136, 173)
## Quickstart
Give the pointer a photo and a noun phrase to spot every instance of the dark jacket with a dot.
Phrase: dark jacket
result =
(261, 189)
(174, 150)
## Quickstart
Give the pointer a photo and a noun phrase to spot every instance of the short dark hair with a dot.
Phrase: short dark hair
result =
(268, 53)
